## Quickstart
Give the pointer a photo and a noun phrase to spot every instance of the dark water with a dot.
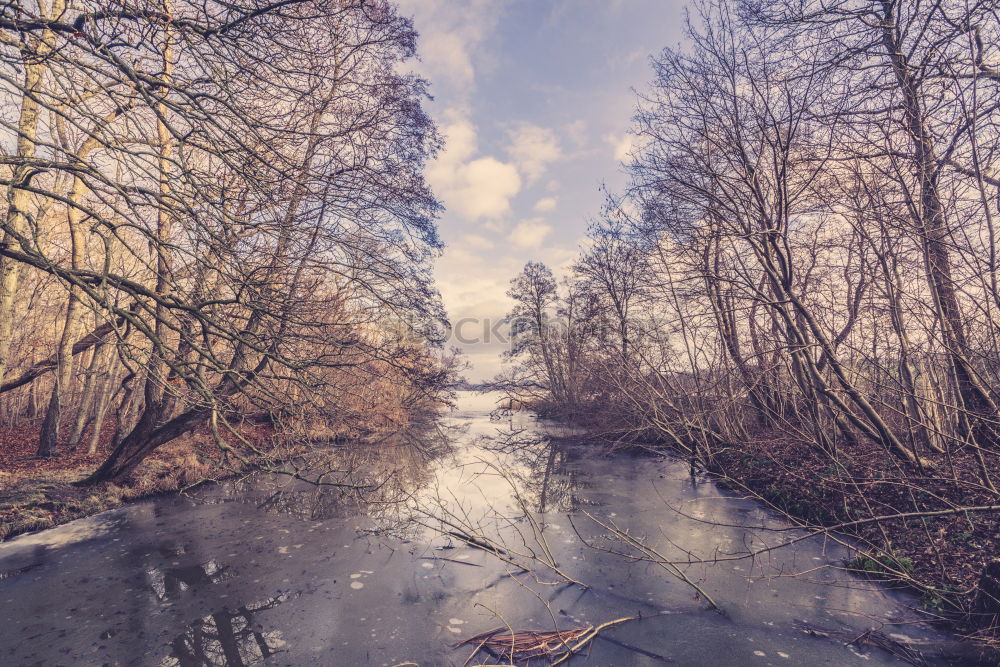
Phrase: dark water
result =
(271, 570)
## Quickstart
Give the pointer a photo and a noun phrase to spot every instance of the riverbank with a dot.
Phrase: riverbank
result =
(38, 493)
(941, 556)
(41, 493)
(935, 550)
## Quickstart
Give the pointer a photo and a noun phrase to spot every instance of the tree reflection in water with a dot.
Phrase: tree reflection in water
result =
(227, 638)
(372, 479)
(536, 464)
(169, 583)
(500, 494)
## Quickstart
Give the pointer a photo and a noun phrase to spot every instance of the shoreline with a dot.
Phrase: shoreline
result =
(962, 545)
(50, 498)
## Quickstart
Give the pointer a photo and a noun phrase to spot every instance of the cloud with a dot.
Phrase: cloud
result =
(532, 148)
(577, 133)
(545, 204)
(474, 287)
(560, 259)
(461, 142)
(447, 56)
(488, 188)
(477, 242)
(472, 188)
(481, 188)
(621, 146)
(529, 234)
(451, 42)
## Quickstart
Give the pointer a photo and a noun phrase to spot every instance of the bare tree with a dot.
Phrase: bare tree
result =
(240, 188)
(807, 274)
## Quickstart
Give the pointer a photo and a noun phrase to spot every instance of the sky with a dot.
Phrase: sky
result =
(534, 99)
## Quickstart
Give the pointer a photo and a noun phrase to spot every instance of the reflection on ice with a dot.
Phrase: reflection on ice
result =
(68, 533)
(391, 554)
(168, 583)
(227, 639)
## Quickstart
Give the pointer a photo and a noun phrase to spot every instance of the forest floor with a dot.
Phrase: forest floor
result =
(41, 493)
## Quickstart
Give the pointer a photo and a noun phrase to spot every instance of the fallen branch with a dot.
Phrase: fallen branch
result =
(871, 637)
(650, 555)
(556, 646)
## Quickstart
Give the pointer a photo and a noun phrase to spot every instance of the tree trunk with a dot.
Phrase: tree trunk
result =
(18, 202)
(48, 438)
(142, 441)
(978, 410)
(88, 397)
(102, 402)
(986, 606)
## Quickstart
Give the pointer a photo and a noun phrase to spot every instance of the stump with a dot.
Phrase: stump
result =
(986, 606)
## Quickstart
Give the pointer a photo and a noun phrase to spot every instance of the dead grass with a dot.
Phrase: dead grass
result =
(41, 493)
(37, 494)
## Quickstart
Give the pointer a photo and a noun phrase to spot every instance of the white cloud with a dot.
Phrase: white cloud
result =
(532, 148)
(545, 204)
(477, 242)
(482, 188)
(560, 260)
(472, 188)
(447, 56)
(451, 42)
(460, 139)
(529, 234)
(496, 226)
(621, 145)
(577, 133)
(474, 288)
